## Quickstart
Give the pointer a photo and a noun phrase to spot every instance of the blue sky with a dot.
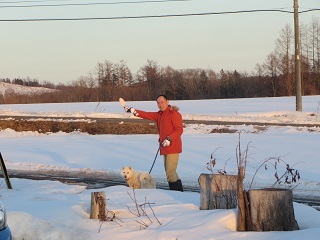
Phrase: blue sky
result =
(62, 51)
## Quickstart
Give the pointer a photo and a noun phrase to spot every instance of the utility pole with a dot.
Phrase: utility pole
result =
(297, 56)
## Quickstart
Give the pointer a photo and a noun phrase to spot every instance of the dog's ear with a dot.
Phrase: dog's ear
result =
(122, 167)
(130, 167)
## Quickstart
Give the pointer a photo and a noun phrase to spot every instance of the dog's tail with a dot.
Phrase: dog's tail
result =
(144, 177)
(147, 180)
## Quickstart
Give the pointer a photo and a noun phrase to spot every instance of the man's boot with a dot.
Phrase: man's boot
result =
(176, 186)
(180, 187)
(173, 185)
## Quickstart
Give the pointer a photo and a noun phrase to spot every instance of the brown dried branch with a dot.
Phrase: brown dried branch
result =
(212, 162)
(145, 213)
(142, 207)
(134, 199)
(137, 215)
(263, 163)
(111, 219)
(142, 224)
(154, 214)
(290, 175)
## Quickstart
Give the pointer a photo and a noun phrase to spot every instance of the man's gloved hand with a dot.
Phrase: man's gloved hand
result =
(127, 109)
(166, 142)
(130, 109)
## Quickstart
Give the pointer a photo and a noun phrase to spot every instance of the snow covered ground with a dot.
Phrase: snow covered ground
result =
(52, 210)
(8, 88)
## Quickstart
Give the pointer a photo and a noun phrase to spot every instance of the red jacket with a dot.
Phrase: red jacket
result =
(169, 123)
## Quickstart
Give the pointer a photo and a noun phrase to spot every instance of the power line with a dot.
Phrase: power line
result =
(34, 1)
(151, 16)
(310, 10)
(88, 4)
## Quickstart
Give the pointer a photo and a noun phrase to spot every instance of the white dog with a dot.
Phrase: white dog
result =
(137, 179)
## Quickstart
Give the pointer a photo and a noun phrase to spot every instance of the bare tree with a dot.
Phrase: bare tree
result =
(285, 64)
(108, 80)
(305, 57)
(151, 75)
(314, 32)
(191, 83)
(124, 73)
(259, 72)
(213, 87)
(270, 67)
(84, 89)
(172, 79)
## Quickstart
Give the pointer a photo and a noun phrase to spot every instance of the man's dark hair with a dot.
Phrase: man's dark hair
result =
(162, 95)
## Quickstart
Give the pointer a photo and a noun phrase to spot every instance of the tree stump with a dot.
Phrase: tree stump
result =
(271, 209)
(98, 205)
(217, 191)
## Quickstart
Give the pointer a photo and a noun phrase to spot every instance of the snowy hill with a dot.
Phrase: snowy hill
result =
(19, 89)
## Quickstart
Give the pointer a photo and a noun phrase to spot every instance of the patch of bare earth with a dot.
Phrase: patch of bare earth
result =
(223, 130)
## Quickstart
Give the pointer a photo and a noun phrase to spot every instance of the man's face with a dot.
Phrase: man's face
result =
(162, 103)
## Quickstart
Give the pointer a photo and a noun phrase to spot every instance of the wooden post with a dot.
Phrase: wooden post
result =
(241, 223)
(217, 191)
(98, 205)
(272, 210)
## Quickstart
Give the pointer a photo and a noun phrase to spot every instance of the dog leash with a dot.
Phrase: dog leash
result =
(154, 160)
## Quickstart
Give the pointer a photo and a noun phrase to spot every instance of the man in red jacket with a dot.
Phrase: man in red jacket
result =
(169, 122)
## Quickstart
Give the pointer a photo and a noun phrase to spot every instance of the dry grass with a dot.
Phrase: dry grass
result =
(92, 128)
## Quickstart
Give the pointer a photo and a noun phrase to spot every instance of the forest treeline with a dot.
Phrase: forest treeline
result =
(272, 78)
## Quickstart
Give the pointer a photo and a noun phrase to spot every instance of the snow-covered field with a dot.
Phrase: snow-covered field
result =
(52, 210)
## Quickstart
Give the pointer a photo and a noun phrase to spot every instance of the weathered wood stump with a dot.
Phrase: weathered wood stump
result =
(271, 209)
(217, 191)
(98, 205)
